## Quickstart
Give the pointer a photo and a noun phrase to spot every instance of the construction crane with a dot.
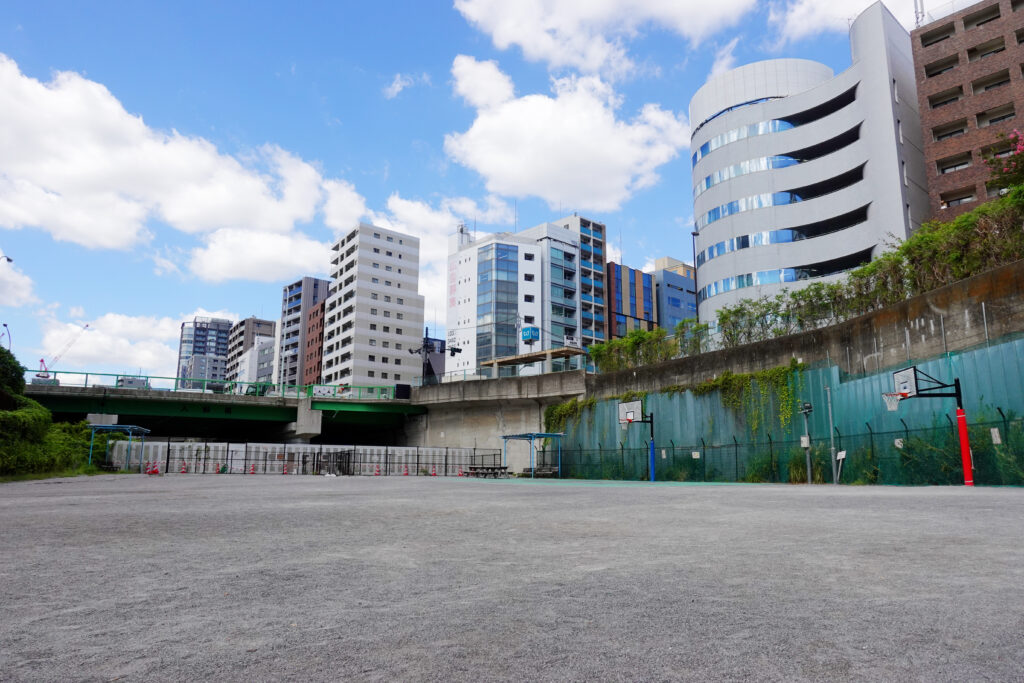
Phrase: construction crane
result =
(44, 371)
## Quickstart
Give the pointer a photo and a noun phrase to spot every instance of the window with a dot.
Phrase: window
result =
(948, 200)
(981, 17)
(398, 378)
(946, 97)
(401, 302)
(373, 311)
(369, 373)
(941, 66)
(387, 283)
(387, 299)
(386, 344)
(398, 347)
(372, 358)
(376, 265)
(528, 298)
(991, 82)
(376, 250)
(528, 256)
(390, 238)
(373, 342)
(373, 327)
(528, 319)
(400, 316)
(384, 360)
(995, 115)
(373, 295)
(398, 331)
(528, 277)
(390, 254)
(387, 329)
(387, 314)
(398, 361)
(383, 375)
(949, 130)
(937, 35)
(375, 281)
(986, 49)
(954, 163)
(387, 268)
(377, 235)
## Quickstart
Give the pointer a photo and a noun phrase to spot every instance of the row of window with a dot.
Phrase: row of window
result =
(781, 275)
(776, 125)
(989, 117)
(785, 236)
(742, 168)
(970, 21)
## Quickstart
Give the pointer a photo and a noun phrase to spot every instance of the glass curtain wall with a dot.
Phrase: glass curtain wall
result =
(497, 303)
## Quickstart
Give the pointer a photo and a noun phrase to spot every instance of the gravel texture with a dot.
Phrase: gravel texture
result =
(187, 577)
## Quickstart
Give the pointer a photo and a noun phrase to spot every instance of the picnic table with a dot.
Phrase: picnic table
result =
(487, 471)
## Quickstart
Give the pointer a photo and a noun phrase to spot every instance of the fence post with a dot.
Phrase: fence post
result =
(1006, 425)
(771, 458)
(167, 462)
(704, 458)
(417, 461)
(622, 460)
(735, 459)
(206, 453)
(871, 447)
(445, 462)
(387, 460)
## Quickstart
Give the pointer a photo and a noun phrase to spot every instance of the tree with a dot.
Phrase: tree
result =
(12, 375)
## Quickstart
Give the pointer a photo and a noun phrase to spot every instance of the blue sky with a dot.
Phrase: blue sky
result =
(161, 161)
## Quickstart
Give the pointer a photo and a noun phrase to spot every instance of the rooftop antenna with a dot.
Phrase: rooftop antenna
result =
(918, 13)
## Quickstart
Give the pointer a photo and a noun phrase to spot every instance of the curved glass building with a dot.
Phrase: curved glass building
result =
(800, 175)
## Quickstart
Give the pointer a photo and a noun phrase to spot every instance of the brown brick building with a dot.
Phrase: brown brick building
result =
(970, 75)
(312, 361)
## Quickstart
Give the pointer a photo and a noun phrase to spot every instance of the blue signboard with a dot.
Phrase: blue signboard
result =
(531, 334)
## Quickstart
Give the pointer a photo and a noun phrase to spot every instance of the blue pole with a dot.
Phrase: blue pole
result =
(504, 452)
(559, 457)
(532, 468)
(91, 439)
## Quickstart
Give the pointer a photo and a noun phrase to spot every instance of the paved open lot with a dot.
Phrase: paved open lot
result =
(310, 578)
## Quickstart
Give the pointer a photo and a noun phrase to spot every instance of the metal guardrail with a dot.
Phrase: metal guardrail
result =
(209, 386)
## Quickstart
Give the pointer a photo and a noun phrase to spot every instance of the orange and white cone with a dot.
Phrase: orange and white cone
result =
(376, 471)
(433, 470)
(460, 472)
(184, 469)
(285, 470)
(405, 471)
(252, 468)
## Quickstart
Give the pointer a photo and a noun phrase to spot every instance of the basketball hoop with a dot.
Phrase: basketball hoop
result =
(892, 400)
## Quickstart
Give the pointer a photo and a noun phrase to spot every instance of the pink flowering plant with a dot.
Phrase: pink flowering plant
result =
(1008, 164)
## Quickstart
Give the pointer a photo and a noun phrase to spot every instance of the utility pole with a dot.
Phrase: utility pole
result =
(806, 409)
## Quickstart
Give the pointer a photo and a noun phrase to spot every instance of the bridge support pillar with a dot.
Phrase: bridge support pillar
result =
(307, 421)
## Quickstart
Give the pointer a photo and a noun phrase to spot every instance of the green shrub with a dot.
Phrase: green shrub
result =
(12, 376)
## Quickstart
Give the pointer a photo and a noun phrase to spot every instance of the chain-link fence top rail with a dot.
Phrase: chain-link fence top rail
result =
(209, 457)
(755, 436)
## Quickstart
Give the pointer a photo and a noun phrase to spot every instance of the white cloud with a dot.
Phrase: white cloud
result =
(76, 312)
(403, 81)
(15, 286)
(591, 35)
(481, 84)
(117, 343)
(648, 266)
(344, 206)
(74, 163)
(799, 19)
(265, 257)
(569, 149)
(433, 225)
(724, 58)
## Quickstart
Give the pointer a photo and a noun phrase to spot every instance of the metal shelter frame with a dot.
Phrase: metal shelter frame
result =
(130, 430)
(531, 437)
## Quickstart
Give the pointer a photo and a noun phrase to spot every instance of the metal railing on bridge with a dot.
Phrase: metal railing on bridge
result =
(209, 386)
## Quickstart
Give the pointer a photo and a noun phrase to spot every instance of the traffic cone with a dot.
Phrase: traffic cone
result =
(405, 471)
(376, 471)
(252, 468)
(460, 472)
(145, 469)
(216, 468)
(155, 469)
(433, 470)
(285, 470)
(184, 470)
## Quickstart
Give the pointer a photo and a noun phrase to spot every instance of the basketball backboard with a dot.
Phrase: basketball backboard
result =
(905, 381)
(631, 411)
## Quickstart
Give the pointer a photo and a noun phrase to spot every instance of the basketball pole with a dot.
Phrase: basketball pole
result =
(965, 446)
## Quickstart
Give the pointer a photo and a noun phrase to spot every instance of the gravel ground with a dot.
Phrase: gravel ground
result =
(310, 578)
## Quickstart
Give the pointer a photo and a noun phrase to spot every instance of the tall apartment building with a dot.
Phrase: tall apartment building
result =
(373, 316)
(296, 300)
(244, 335)
(593, 287)
(500, 283)
(203, 350)
(675, 285)
(631, 301)
(970, 86)
(801, 175)
(255, 365)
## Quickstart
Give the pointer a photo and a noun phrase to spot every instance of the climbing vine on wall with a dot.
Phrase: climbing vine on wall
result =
(774, 385)
(556, 416)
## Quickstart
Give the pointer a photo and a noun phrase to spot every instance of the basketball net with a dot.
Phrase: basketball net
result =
(892, 400)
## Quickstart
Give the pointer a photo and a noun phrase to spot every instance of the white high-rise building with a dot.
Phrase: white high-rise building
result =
(374, 313)
(501, 283)
(801, 175)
